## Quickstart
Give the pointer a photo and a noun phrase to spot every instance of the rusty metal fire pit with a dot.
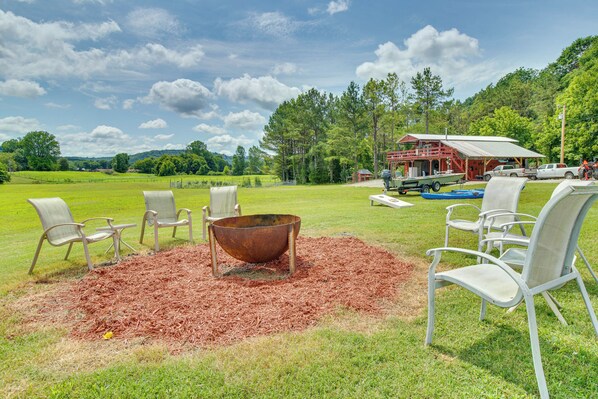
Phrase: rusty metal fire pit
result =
(255, 238)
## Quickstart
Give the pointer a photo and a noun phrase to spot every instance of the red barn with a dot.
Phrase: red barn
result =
(427, 154)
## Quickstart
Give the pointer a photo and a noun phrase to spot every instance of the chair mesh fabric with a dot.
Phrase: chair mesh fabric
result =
(223, 201)
(503, 193)
(161, 202)
(554, 238)
(53, 211)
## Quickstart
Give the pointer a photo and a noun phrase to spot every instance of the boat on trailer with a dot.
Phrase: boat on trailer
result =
(421, 183)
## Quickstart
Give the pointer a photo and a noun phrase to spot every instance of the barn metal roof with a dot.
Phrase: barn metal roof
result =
(453, 137)
(490, 149)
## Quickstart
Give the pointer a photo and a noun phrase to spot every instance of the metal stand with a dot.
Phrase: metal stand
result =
(214, 256)
(118, 229)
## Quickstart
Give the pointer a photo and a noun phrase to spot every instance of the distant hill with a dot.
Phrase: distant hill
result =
(142, 155)
(153, 153)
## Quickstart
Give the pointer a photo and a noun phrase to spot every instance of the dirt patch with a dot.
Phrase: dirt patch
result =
(172, 296)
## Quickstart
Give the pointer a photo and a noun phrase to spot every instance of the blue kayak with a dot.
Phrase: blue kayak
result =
(455, 194)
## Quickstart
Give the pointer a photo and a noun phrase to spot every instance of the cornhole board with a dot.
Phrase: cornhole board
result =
(388, 201)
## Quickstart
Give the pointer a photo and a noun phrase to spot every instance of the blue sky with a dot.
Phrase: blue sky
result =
(111, 76)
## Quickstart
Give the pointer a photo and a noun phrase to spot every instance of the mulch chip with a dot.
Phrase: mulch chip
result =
(172, 295)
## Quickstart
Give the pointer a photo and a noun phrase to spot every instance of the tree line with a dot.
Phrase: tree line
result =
(319, 137)
(40, 151)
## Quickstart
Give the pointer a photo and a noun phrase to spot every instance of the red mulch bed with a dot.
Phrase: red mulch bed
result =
(173, 296)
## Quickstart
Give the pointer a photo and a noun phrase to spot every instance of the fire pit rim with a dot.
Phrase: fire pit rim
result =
(218, 222)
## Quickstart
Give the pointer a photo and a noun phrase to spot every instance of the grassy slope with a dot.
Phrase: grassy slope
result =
(341, 358)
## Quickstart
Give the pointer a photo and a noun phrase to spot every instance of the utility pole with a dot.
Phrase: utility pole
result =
(563, 134)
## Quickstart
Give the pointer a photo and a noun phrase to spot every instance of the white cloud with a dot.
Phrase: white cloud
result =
(106, 103)
(337, 6)
(21, 88)
(209, 129)
(183, 96)
(227, 144)
(448, 53)
(128, 104)
(53, 50)
(174, 146)
(109, 133)
(19, 125)
(102, 140)
(275, 23)
(265, 90)
(105, 140)
(154, 124)
(152, 22)
(57, 106)
(153, 53)
(286, 68)
(246, 120)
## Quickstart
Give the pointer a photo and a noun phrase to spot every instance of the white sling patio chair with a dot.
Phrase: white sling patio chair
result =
(500, 196)
(548, 265)
(223, 204)
(160, 211)
(60, 228)
(515, 255)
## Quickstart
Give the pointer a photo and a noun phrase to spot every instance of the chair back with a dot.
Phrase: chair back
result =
(53, 211)
(503, 193)
(161, 202)
(570, 182)
(554, 238)
(223, 201)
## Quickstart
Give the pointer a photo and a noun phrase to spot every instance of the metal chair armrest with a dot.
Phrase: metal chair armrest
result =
(450, 209)
(181, 210)
(437, 253)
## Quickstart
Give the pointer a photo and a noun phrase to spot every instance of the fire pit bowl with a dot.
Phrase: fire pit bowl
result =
(255, 238)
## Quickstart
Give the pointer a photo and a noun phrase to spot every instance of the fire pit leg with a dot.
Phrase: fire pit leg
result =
(213, 251)
(291, 249)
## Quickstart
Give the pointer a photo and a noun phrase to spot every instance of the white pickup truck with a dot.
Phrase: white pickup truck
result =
(556, 171)
(510, 170)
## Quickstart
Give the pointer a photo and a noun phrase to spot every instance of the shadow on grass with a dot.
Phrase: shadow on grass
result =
(569, 372)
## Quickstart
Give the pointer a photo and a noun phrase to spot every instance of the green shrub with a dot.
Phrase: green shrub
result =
(4, 175)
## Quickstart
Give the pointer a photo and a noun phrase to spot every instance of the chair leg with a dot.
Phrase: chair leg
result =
(431, 300)
(87, 257)
(585, 260)
(586, 300)
(535, 343)
(68, 251)
(552, 305)
(190, 230)
(558, 305)
(483, 310)
(37, 251)
(156, 243)
(174, 232)
(142, 230)
(446, 235)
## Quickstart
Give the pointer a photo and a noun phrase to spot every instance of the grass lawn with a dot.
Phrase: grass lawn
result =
(347, 355)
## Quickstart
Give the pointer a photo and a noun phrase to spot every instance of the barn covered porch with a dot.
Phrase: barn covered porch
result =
(426, 154)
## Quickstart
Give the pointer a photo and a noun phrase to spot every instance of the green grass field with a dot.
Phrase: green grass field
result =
(346, 356)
